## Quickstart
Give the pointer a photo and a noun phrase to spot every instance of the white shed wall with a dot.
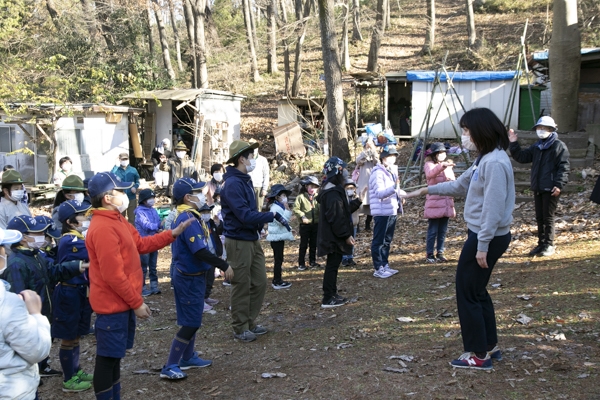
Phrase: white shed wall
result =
(222, 109)
(163, 123)
(286, 113)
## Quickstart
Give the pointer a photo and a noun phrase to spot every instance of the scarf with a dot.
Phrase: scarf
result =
(545, 144)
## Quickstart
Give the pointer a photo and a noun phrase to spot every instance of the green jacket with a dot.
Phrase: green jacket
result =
(305, 208)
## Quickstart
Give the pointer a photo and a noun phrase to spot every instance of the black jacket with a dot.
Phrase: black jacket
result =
(335, 221)
(156, 156)
(549, 167)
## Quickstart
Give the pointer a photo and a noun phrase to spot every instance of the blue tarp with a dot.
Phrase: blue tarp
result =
(543, 55)
(481, 76)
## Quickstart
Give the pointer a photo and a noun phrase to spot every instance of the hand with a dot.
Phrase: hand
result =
(143, 311)
(447, 164)
(416, 193)
(181, 227)
(305, 220)
(401, 193)
(481, 257)
(555, 192)
(263, 192)
(350, 240)
(363, 192)
(83, 266)
(32, 300)
(216, 220)
(512, 136)
(133, 190)
(229, 274)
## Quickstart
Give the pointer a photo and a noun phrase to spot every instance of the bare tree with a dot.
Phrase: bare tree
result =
(51, 7)
(356, 34)
(249, 36)
(175, 34)
(430, 34)
(378, 32)
(272, 25)
(284, 17)
(89, 17)
(333, 81)
(162, 36)
(188, 14)
(565, 64)
(301, 35)
(345, 47)
(148, 23)
(471, 23)
(199, 8)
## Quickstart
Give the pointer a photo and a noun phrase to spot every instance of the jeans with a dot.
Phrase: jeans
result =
(545, 208)
(330, 276)
(308, 240)
(437, 228)
(383, 233)
(149, 263)
(475, 307)
(350, 256)
(277, 247)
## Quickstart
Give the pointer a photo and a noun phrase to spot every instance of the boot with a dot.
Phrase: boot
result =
(146, 291)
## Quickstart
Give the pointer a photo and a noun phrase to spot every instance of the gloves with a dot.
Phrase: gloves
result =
(279, 218)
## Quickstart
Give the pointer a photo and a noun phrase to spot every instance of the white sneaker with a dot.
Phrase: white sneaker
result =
(382, 273)
(390, 270)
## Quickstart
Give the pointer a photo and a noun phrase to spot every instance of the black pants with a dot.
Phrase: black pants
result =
(308, 239)
(545, 208)
(475, 307)
(330, 276)
(210, 281)
(278, 258)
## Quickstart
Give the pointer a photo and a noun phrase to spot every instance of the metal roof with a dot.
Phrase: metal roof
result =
(182, 94)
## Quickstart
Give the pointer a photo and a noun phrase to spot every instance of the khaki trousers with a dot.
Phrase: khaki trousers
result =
(249, 282)
(259, 199)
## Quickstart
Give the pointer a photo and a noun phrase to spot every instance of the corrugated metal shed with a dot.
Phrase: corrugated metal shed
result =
(182, 94)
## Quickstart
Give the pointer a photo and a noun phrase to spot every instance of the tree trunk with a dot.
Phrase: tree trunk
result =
(284, 17)
(253, 24)
(272, 25)
(103, 14)
(298, 9)
(378, 32)
(333, 81)
(150, 39)
(176, 35)
(356, 34)
(249, 36)
(388, 13)
(212, 29)
(88, 15)
(345, 47)
(565, 64)
(162, 36)
(301, 33)
(286, 67)
(51, 7)
(188, 14)
(198, 8)
(430, 34)
(471, 23)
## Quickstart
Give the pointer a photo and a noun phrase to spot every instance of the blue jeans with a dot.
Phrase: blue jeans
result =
(149, 263)
(383, 233)
(437, 228)
(350, 256)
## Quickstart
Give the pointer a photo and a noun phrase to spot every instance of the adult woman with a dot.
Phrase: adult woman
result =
(365, 162)
(490, 198)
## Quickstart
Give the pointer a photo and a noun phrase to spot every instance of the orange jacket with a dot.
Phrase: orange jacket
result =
(114, 247)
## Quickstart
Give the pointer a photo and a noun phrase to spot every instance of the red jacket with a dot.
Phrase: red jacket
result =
(438, 206)
(114, 247)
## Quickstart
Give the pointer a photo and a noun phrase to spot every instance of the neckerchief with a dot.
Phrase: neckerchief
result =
(184, 207)
(544, 144)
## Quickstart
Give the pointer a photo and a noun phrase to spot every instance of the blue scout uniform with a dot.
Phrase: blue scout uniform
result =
(72, 310)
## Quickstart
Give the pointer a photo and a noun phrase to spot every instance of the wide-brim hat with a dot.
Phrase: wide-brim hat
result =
(10, 236)
(237, 147)
(11, 176)
(51, 229)
(544, 121)
(276, 190)
(206, 207)
(437, 147)
(333, 167)
(180, 146)
(106, 181)
(391, 151)
(145, 194)
(26, 223)
(71, 207)
(185, 186)
(310, 180)
(73, 182)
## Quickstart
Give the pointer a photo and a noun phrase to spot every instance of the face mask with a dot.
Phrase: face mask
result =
(38, 243)
(467, 143)
(389, 161)
(311, 190)
(17, 195)
(441, 157)
(250, 168)
(3, 263)
(200, 202)
(205, 217)
(218, 176)
(150, 202)
(124, 163)
(350, 192)
(78, 197)
(283, 199)
(66, 167)
(542, 134)
(124, 203)
(180, 154)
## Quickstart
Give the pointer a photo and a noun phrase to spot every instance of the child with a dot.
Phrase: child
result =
(161, 173)
(365, 162)
(72, 311)
(278, 234)
(335, 228)
(147, 223)
(438, 209)
(215, 184)
(214, 226)
(28, 270)
(116, 277)
(350, 188)
(11, 203)
(25, 338)
(192, 258)
(72, 188)
(49, 249)
(549, 175)
(307, 209)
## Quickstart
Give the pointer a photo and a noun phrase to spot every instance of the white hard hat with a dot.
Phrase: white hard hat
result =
(545, 121)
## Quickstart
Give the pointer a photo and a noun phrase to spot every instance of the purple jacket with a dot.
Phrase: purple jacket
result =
(382, 192)
(438, 206)
(147, 221)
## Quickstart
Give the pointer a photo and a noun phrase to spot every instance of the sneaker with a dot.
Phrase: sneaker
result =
(194, 362)
(259, 330)
(536, 250)
(469, 360)
(84, 376)
(146, 292)
(155, 290)
(440, 257)
(50, 372)
(245, 336)
(430, 259)
(207, 307)
(390, 270)
(547, 251)
(75, 385)
(212, 302)
(315, 265)
(333, 302)
(226, 283)
(281, 285)
(382, 273)
(172, 372)
(337, 296)
(346, 263)
(302, 268)
(495, 354)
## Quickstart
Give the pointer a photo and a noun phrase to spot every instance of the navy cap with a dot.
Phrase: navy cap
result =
(185, 186)
(145, 194)
(206, 207)
(51, 229)
(25, 223)
(105, 182)
(70, 207)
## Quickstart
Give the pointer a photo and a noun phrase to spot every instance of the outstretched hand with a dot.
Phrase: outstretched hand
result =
(415, 193)
(182, 227)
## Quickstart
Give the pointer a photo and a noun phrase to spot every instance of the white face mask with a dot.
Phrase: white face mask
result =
(17, 195)
(180, 154)
(441, 157)
(124, 202)
(283, 199)
(389, 161)
(124, 163)
(218, 176)
(150, 202)
(467, 143)
(38, 243)
(205, 217)
(3, 263)
(66, 166)
(77, 196)
(350, 192)
(250, 168)
(201, 200)
(542, 134)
